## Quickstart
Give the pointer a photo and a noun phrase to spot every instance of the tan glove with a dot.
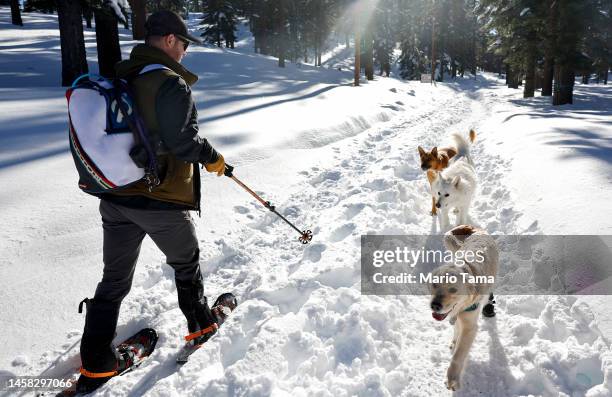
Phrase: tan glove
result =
(218, 166)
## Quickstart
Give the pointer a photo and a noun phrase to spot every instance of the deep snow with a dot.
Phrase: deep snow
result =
(334, 158)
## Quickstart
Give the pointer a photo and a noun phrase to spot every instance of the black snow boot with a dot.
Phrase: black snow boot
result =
(98, 356)
(489, 309)
(194, 305)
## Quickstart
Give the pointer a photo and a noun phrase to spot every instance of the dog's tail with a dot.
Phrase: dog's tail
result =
(463, 145)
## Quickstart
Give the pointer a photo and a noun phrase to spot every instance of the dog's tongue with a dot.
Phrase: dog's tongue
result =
(438, 316)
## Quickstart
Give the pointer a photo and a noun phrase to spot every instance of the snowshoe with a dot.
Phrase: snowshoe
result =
(131, 352)
(224, 305)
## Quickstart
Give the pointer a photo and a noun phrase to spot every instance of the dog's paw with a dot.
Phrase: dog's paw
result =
(452, 379)
(453, 384)
(434, 213)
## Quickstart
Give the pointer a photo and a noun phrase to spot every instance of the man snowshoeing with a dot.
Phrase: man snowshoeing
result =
(161, 88)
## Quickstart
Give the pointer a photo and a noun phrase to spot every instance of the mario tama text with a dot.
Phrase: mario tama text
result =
(558, 265)
(430, 278)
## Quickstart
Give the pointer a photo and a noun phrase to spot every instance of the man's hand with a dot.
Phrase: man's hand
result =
(218, 166)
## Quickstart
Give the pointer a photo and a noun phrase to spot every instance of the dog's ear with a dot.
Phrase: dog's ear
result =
(456, 181)
(421, 152)
(434, 151)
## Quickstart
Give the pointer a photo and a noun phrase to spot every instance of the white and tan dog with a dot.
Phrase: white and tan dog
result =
(462, 298)
(454, 188)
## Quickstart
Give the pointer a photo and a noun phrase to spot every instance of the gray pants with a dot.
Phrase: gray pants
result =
(172, 231)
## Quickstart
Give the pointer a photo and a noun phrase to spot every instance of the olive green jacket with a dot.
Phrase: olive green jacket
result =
(163, 99)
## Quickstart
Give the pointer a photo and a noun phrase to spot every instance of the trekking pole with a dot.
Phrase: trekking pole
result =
(305, 235)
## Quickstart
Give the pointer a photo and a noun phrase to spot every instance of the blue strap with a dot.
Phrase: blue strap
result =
(472, 308)
(97, 77)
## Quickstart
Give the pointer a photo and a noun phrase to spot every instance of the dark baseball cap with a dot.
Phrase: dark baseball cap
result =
(163, 23)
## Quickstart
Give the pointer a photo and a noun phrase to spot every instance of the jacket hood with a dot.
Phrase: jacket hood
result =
(143, 55)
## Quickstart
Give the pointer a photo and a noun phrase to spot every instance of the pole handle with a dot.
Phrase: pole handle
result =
(229, 169)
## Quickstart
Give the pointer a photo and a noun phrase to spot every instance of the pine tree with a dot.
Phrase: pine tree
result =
(414, 33)
(74, 62)
(107, 39)
(219, 22)
(139, 17)
(177, 6)
(87, 13)
(44, 6)
(16, 13)
(549, 23)
(384, 34)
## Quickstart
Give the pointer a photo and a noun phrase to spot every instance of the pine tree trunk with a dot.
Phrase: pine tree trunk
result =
(281, 58)
(513, 78)
(508, 79)
(87, 14)
(139, 16)
(107, 40)
(74, 62)
(281, 37)
(547, 78)
(16, 13)
(357, 72)
(369, 56)
(563, 86)
(473, 45)
(529, 88)
(433, 50)
(566, 48)
(319, 59)
(549, 43)
(585, 77)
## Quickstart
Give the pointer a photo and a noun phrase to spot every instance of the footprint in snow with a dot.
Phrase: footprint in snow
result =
(407, 172)
(352, 210)
(342, 232)
(325, 176)
(314, 252)
(241, 210)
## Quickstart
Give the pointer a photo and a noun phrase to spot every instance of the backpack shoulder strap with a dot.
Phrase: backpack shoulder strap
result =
(152, 67)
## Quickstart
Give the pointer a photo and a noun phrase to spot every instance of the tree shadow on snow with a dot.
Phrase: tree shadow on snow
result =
(471, 86)
(34, 138)
(583, 144)
(591, 103)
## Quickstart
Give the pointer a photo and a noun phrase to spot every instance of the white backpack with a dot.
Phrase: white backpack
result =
(108, 139)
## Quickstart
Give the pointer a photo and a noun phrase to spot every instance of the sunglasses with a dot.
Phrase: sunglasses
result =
(185, 42)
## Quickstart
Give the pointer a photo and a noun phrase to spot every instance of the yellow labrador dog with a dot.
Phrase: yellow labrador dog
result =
(460, 292)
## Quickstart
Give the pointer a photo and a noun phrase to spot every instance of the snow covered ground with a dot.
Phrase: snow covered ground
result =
(341, 161)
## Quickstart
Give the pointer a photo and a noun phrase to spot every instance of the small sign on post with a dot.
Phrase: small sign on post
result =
(425, 78)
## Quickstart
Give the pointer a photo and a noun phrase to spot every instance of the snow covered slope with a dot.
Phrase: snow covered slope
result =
(337, 159)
